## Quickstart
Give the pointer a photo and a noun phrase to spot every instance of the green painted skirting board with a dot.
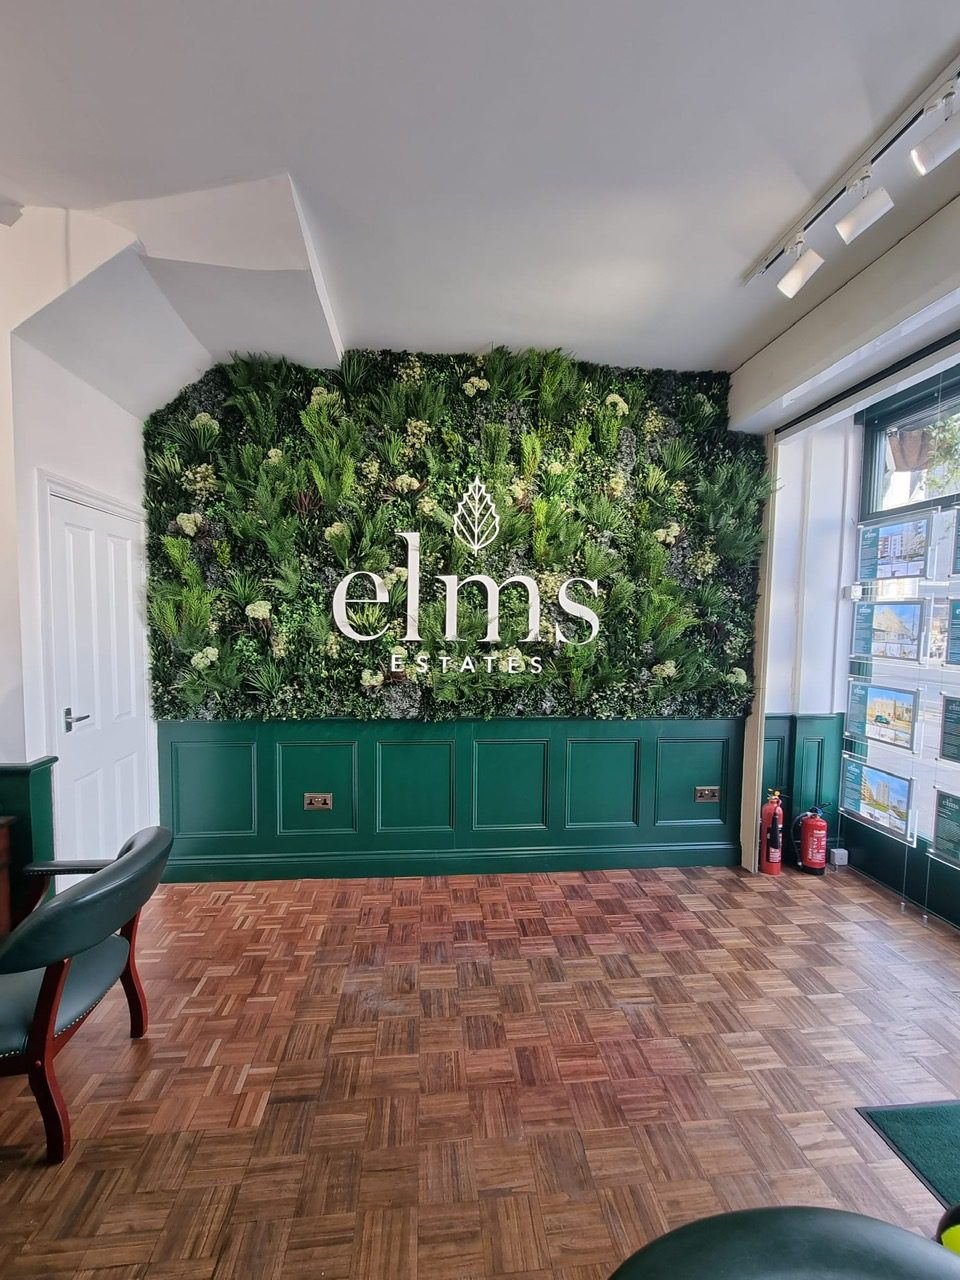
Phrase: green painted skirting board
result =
(191, 870)
(926, 1137)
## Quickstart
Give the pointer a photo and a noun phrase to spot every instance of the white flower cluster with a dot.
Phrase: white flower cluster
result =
(190, 522)
(617, 485)
(668, 535)
(473, 385)
(206, 420)
(371, 679)
(617, 404)
(703, 562)
(397, 574)
(417, 432)
(665, 670)
(428, 506)
(336, 530)
(556, 467)
(205, 658)
(200, 480)
(550, 584)
(259, 611)
(411, 370)
(406, 484)
(737, 676)
(274, 456)
(320, 395)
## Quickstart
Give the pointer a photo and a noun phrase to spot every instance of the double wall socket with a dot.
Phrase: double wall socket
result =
(706, 795)
(318, 800)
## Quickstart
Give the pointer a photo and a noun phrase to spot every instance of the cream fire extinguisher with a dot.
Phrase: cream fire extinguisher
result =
(771, 835)
(812, 853)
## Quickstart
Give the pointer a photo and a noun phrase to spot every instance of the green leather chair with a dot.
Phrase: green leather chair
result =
(790, 1244)
(58, 964)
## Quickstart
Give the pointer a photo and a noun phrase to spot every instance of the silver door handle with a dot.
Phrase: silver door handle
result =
(69, 719)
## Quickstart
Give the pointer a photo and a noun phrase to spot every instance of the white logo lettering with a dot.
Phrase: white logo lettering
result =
(477, 524)
(341, 600)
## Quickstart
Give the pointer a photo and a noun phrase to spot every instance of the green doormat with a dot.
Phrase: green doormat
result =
(926, 1137)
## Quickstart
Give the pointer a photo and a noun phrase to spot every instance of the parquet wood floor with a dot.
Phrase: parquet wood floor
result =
(519, 1075)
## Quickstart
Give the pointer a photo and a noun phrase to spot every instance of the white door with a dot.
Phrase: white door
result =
(96, 695)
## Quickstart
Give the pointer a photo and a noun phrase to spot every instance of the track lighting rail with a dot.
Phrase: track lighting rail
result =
(931, 98)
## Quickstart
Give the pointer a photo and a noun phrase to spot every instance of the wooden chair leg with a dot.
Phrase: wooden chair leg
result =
(130, 981)
(41, 1048)
(53, 1109)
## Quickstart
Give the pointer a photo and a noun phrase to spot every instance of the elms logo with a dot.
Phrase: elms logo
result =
(476, 523)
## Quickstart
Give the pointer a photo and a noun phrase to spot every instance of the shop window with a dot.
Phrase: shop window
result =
(912, 448)
(905, 665)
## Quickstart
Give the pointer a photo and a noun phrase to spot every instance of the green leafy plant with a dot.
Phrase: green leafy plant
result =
(267, 482)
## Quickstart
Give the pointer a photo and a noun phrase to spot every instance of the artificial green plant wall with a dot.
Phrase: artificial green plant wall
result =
(267, 483)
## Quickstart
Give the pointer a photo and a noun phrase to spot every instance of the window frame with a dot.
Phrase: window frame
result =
(877, 420)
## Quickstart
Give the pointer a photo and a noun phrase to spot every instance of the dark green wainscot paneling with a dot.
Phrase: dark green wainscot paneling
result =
(930, 883)
(801, 760)
(412, 798)
(26, 794)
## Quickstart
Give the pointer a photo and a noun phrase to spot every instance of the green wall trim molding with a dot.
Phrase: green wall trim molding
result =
(26, 793)
(412, 798)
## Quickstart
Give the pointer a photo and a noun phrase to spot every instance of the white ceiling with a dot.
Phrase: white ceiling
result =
(596, 174)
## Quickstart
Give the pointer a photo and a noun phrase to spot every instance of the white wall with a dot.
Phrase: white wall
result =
(66, 428)
(41, 255)
(814, 552)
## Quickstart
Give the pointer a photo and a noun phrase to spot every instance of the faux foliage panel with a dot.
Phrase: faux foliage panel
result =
(267, 483)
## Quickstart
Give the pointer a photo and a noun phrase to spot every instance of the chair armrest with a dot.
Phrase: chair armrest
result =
(71, 867)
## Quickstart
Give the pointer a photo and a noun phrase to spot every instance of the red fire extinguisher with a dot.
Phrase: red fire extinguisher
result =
(771, 835)
(812, 854)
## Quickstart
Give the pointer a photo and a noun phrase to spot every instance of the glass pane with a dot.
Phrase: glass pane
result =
(921, 461)
(933, 677)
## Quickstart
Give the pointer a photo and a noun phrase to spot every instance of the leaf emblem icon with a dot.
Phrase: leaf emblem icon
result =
(475, 521)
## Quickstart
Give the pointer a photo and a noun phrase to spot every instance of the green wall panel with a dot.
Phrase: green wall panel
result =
(415, 786)
(683, 765)
(603, 782)
(215, 788)
(510, 784)
(817, 753)
(778, 759)
(317, 766)
(412, 798)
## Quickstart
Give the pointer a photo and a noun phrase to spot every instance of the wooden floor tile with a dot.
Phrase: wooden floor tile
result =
(449, 1078)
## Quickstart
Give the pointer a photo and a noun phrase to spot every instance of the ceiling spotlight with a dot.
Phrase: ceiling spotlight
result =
(871, 206)
(943, 142)
(807, 262)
